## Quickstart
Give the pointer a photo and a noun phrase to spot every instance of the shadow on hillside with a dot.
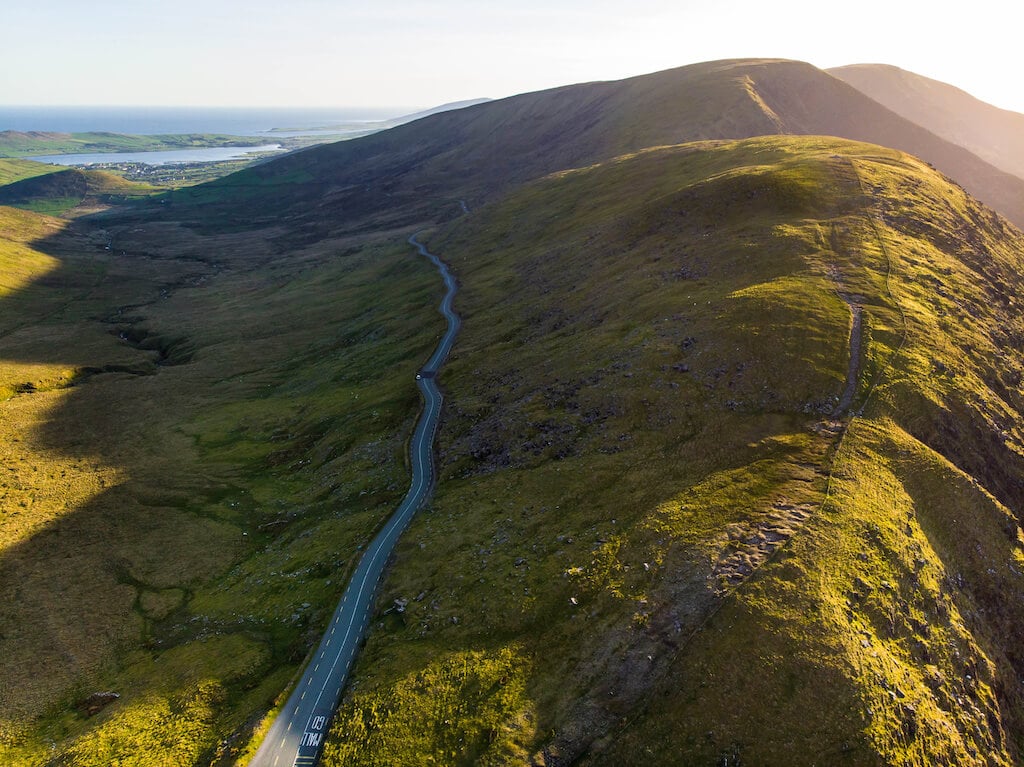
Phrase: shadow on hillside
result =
(105, 506)
(112, 517)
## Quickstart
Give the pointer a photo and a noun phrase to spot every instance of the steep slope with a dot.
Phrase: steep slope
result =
(475, 153)
(659, 534)
(993, 134)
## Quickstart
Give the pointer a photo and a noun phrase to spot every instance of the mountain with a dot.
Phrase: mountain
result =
(728, 470)
(478, 152)
(730, 474)
(360, 128)
(993, 134)
(447, 107)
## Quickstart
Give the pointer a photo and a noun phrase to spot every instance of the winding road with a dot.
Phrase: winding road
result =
(296, 737)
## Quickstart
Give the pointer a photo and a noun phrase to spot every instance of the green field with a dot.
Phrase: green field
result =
(24, 144)
(16, 170)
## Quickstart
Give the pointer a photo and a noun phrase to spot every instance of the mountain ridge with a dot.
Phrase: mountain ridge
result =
(480, 151)
(994, 134)
(728, 466)
(644, 418)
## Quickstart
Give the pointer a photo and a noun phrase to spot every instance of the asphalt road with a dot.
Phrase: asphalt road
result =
(296, 736)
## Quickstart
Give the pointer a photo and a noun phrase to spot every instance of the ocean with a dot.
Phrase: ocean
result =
(237, 121)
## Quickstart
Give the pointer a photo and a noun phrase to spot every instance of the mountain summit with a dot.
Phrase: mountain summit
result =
(481, 151)
(996, 135)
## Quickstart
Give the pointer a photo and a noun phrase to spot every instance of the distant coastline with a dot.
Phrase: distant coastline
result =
(251, 121)
(153, 136)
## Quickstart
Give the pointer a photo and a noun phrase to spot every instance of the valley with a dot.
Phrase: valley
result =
(155, 464)
(298, 732)
(727, 468)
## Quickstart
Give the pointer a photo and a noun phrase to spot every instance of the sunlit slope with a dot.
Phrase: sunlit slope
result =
(20, 263)
(995, 135)
(474, 153)
(659, 537)
(15, 170)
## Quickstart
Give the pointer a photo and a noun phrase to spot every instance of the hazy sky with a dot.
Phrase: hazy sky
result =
(420, 53)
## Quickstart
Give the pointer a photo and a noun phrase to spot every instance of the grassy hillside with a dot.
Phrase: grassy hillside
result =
(658, 534)
(15, 170)
(993, 134)
(63, 190)
(23, 144)
(478, 152)
(196, 435)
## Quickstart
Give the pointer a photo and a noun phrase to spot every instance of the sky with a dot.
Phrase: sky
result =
(420, 53)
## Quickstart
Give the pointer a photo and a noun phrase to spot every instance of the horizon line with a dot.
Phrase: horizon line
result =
(209, 106)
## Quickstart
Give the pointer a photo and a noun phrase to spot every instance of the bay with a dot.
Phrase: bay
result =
(208, 154)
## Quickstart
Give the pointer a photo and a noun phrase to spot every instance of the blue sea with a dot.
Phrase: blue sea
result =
(237, 121)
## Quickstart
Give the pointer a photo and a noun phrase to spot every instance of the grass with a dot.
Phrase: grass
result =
(22, 264)
(71, 190)
(642, 393)
(173, 706)
(183, 449)
(15, 170)
(851, 648)
(653, 534)
(19, 144)
(465, 708)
